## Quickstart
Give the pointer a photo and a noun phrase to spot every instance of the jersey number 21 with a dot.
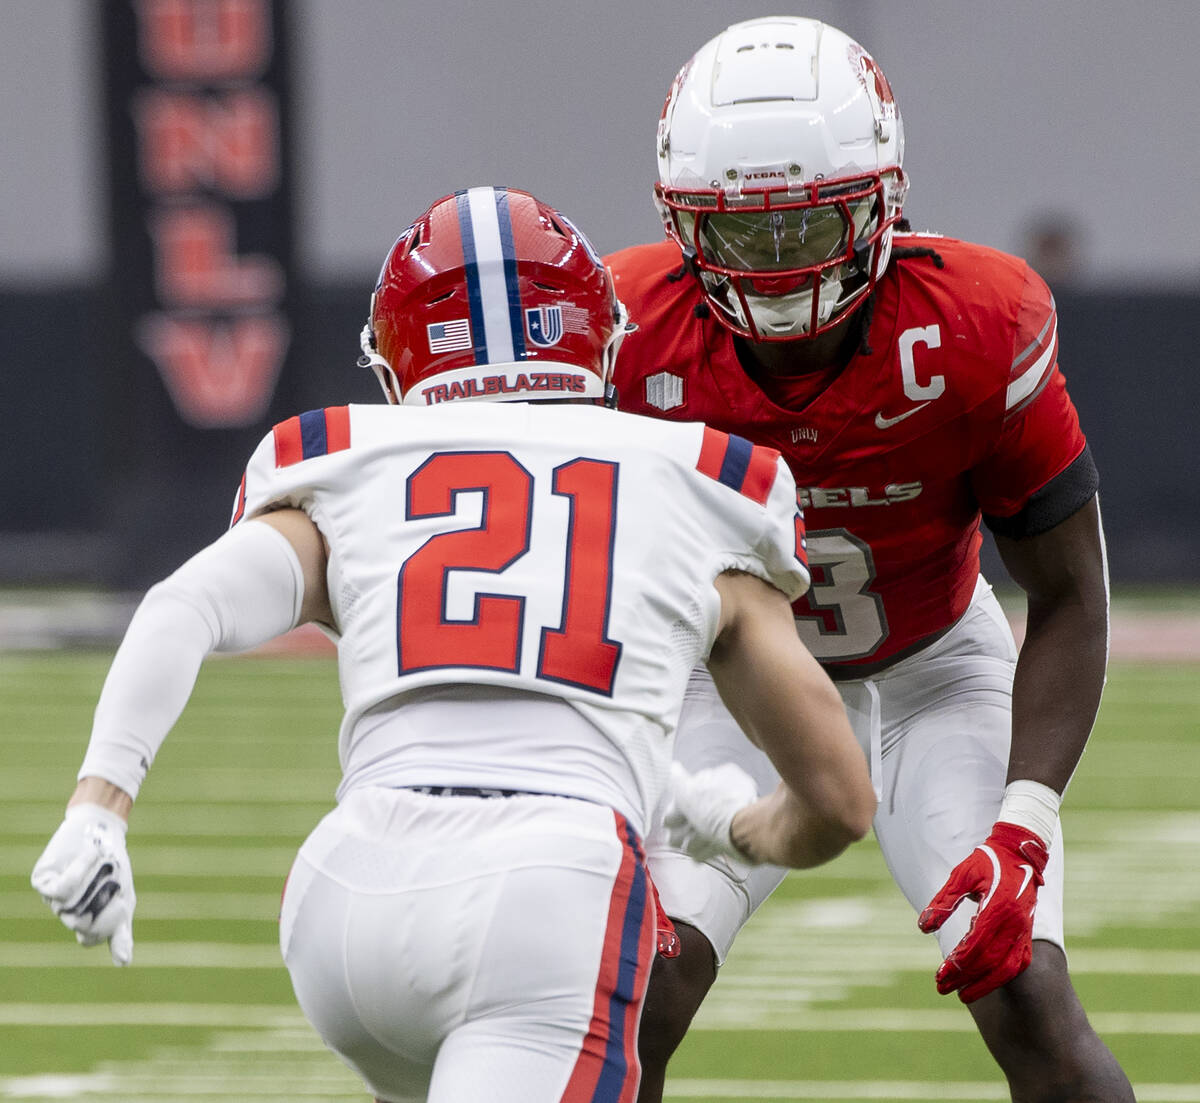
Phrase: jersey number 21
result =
(578, 650)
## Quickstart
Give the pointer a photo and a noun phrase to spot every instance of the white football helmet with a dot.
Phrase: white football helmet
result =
(779, 151)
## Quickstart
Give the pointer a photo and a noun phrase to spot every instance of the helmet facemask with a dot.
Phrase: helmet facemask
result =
(778, 265)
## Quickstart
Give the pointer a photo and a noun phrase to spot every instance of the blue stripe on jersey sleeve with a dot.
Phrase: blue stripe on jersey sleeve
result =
(313, 441)
(736, 462)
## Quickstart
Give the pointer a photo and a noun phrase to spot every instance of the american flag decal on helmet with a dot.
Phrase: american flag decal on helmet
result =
(747, 468)
(452, 336)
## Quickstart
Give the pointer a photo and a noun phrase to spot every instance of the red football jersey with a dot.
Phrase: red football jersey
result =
(959, 408)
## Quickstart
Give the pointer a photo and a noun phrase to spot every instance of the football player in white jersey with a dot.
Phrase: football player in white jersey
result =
(518, 590)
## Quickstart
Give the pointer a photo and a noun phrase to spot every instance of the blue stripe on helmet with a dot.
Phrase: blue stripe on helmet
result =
(516, 317)
(471, 267)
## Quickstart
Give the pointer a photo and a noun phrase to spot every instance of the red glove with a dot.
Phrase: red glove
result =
(666, 937)
(1003, 873)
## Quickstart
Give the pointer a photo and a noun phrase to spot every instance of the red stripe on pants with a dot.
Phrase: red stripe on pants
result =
(595, 1079)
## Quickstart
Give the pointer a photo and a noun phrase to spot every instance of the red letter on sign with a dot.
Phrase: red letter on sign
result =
(204, 39)
(218, 373)
(229, 144)
(195, 264)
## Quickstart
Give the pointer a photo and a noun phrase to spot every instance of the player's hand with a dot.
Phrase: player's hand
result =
(702, 808)
(1003, 873)
(85, 877)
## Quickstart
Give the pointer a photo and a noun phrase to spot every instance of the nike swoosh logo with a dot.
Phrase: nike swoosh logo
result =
(1025, 883)
(882, 422)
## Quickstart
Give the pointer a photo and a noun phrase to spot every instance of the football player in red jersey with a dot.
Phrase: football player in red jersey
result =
(912, 383)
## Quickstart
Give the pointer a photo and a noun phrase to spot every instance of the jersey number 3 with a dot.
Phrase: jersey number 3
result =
(845, 620)
(577, 651)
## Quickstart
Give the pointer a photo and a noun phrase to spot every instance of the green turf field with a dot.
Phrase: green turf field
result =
(828, 994)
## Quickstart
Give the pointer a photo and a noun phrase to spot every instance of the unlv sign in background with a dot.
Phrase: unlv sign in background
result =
(197, 309)
(200, 212)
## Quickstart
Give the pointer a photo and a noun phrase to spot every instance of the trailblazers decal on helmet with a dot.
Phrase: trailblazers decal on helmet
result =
(492, 294)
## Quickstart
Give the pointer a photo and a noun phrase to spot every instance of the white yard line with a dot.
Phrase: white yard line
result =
(831, 1091)
(953, 1020)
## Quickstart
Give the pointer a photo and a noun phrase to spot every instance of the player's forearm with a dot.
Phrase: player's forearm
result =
(96, 790)
(1056, 690)
(1061, 668)
(798, 719)
(780, 830)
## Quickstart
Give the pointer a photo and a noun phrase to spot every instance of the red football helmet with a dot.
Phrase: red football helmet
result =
(491, 294)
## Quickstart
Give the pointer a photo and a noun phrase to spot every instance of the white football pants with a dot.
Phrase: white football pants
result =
(460, 948)
(936, 729)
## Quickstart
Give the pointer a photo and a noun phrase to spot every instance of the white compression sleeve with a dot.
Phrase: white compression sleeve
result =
(240, 591)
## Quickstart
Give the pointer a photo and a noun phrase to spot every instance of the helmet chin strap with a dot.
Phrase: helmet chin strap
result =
(622, 327)
(370, 358)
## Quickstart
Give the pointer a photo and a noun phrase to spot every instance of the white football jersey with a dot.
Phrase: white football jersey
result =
(532, 582)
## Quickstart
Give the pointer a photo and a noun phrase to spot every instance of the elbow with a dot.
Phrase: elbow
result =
(849, 810)
(837, 829)
(850, 821)
(858, 830)
(849, 826)
(817, 848)
(860, 813)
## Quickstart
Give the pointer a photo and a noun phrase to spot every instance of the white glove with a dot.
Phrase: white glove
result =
(702, 808)
(85, 876)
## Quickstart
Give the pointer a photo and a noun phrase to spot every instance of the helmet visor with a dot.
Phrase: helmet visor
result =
(784, 240)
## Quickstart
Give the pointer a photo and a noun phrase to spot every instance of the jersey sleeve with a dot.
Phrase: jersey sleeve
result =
(1040, 437)
(760, 502)
(275, 476)
(254, 491)
(783, 548)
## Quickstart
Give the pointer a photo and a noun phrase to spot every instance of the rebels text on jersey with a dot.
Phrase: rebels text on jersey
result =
(959, 408)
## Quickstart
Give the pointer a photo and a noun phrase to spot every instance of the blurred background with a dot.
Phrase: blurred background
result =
(196, 196)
